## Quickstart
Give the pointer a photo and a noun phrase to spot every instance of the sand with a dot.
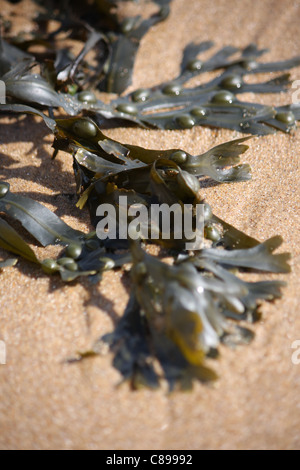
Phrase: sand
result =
(47, 404)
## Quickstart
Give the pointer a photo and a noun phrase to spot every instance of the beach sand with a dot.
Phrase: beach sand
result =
(47, 404)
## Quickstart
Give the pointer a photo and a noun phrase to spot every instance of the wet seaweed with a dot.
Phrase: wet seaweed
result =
(180, 313)
(68, 82)
(185, 302)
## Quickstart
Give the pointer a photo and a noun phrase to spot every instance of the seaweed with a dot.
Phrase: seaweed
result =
(215, 103)
(124, 45)
(190, 298)
(178, 314)
(45, 226)
(67, 81)
(83, 254)
(11, 241)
